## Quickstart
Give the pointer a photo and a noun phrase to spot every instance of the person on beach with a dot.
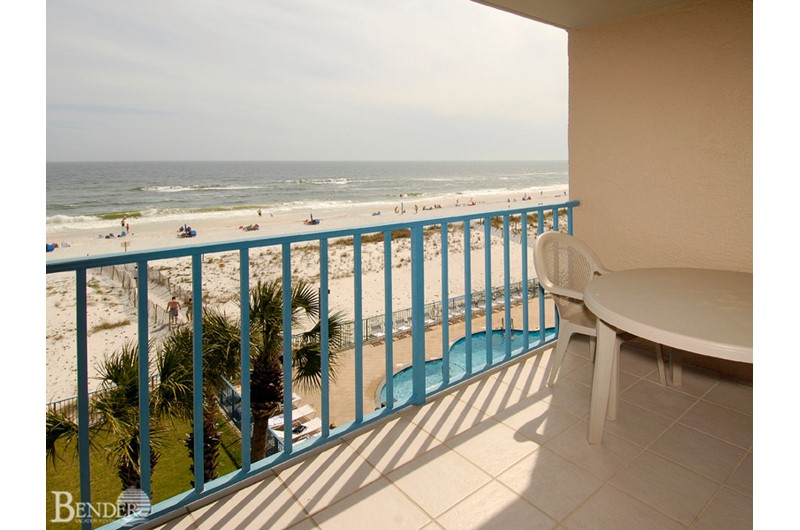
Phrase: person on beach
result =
(189, 310)
(259, 212)
(124, 220)
(173, 308)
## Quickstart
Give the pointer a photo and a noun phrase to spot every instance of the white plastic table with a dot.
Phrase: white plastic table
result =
(704, 311)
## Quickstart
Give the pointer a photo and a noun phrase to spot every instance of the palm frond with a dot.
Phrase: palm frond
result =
(305, 299)
(172, 397)
(58, 427)
(307, 358)
(221, 348)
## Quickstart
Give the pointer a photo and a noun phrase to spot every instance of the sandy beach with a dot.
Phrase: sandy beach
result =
(112, 316)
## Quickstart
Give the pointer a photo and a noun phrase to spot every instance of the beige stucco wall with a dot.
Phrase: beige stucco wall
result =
(660, 137)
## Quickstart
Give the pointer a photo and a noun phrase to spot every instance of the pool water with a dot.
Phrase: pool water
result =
(403, 380)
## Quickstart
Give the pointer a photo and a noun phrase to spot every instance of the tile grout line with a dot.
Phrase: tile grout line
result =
(649, 446)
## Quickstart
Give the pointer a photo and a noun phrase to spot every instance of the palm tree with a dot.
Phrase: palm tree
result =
(221, 346)
(116, 407)
(266, 335)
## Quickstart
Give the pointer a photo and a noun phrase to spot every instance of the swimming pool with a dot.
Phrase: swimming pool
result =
(402, 381)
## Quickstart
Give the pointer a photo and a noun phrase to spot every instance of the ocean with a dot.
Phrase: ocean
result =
(88, 194)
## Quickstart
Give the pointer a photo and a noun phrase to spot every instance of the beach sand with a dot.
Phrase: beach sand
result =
(112, 315)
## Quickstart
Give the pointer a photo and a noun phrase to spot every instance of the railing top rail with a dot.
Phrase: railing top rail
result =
(72, 264)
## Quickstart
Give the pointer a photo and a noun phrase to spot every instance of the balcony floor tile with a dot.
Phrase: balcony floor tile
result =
(439, 479)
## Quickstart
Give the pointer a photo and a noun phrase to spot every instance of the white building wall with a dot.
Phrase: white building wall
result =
(660, 137)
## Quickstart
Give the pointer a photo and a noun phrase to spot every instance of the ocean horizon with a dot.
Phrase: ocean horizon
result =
(83, 195)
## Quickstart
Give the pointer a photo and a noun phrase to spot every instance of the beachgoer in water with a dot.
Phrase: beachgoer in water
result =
(259, 212)
(173, 308)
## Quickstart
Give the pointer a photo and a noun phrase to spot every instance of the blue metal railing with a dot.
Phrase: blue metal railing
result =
(418, 326)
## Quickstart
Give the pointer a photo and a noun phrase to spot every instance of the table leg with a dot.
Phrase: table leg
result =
(676, 366)
(613, 398)
(601, 383)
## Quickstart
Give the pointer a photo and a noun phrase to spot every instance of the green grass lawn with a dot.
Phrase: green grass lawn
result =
(170, 476)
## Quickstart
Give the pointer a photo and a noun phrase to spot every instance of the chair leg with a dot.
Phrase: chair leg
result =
(662, 372)
(558, 355)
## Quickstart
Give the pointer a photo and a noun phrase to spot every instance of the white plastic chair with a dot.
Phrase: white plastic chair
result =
(564, 266)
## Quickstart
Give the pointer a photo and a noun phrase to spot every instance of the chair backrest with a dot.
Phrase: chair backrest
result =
(564, 264)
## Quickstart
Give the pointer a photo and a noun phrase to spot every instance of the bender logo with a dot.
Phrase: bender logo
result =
(132, 503)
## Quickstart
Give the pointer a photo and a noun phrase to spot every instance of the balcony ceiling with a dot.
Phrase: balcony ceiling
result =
(573, 14)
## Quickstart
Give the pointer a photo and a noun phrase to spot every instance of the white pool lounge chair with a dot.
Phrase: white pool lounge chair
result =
(276, 422)
(402, 326)
(304, 430)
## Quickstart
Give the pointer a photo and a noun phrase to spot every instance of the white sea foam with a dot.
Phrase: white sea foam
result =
(198, 187)
(188, 192)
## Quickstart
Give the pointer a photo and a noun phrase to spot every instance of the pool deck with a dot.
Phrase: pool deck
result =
(343, 390)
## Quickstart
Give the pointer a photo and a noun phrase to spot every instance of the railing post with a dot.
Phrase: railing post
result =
(487, 283)
(358, 329)
(84, 446)
(144, 387)
(244, 351)
(445, 308)
(507, 285)
(468, 296)
(286, 255)
(197, 371)
(388, 325)
(539, 231)
(418, 315)
(324, 334)
(525, 302)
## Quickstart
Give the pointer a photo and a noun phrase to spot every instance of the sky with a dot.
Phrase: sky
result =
(302, 80)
